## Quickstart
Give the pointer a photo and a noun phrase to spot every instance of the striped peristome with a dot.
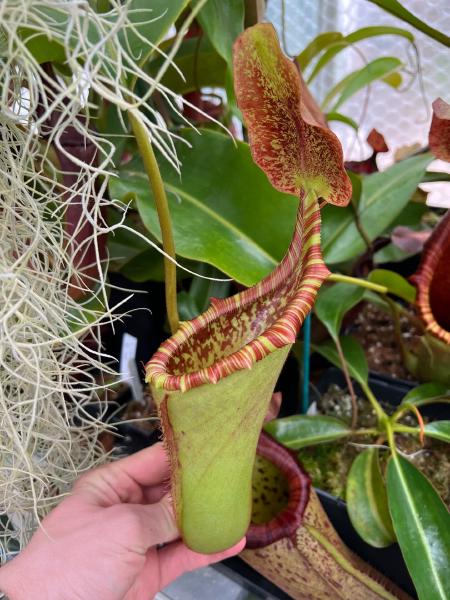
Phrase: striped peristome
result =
(235, 332)
(432, 280)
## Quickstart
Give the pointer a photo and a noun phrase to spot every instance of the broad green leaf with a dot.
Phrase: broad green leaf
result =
(222, 22)
(299, 431)
(318, 44)
(384, 195)
(391, 253)
(151, 21)
(213, 222)
(200, 64)
(422, 525)
(353, 354)
(357, 36)
(336, 116)
(42, 48)
(366, 499)
(398, 10)
(395, 283)
(439, 430)
(351, 84)
(425, 392)
(333, 302)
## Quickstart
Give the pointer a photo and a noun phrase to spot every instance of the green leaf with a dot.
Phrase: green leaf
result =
(395, 283)
(422, 525)
(356, 36)
(422, 393)
(41, 47)
(384, 195)
(431, 176)
(353, 353)
(439, 430)
(145, 266)
(151, 21)
(395, 8)
(352, 83)
(213, 222)
(367, 503)
(333, 302)
(198, 298)
(200, 64)
(187, 306)
(299, 431)
(336, 116)
(318, 44)
(222, 22)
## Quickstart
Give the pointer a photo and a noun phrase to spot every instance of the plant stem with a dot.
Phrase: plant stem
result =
(348, 381)
(360, 228)
(162, 208)
(375, 287)
(381, 415)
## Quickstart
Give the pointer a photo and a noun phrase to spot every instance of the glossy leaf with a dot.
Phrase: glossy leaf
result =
(317, 45)
(395, 283)
(384, 195)
(333, 302)
(439, 136)
(214, 222)
(222, 22)
(357, 36)
(299, 431)
(422, 525)
(151, 22)
(353, 353)
(303, 157)
(394, 7)
(356, 81)
(439, 430)
(366, 499)
(422, 393)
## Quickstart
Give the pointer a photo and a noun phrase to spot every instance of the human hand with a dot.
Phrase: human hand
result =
(101, 542)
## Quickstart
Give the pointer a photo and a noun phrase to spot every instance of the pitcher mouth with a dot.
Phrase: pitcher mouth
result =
(236, 332)
(289, 519)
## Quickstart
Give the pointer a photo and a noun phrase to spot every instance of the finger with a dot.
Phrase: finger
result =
(123, 480)
(154, 493)
(176, 559)
(151, 524)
